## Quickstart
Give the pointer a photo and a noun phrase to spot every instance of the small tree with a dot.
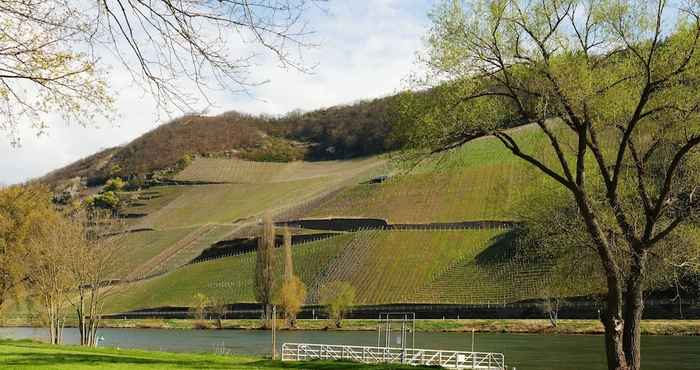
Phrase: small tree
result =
(264, 267)
(290, 298)
(338, 297)
(199, 310)
(218, 309)
(24, 212)
(51, 278)
(551, 304)
(292, 293)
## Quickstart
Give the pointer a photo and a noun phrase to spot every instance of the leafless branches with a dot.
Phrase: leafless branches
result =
(55, 55)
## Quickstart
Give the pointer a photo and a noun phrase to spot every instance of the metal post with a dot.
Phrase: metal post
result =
(403, 341)
(413, 332)
(388, 331)
(379, 330)
(274, 339)
(472, 340)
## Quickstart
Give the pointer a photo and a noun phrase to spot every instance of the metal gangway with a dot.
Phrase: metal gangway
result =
(407, 356)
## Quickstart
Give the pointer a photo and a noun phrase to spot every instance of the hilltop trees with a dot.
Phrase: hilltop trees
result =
(265, 267)
(612, 86)
(53, 52)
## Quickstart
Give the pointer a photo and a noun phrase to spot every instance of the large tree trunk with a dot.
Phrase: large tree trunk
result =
(612, 318)
(634, 308)
(614, 326)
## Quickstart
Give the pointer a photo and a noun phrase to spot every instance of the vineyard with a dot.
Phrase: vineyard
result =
(421, 264)
(398, 266)
(246, 172)
(479, 181)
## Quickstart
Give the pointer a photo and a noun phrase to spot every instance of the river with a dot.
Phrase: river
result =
(522, 351)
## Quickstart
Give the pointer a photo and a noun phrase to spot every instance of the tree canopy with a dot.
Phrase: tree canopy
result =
(611, 85)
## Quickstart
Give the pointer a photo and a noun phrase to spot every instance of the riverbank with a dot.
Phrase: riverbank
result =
(525, 326)
(35, 355)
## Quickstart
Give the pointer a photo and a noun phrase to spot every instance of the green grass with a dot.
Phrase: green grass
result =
(32, 355)
(478, 181)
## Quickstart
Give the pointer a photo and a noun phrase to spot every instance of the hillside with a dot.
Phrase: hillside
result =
(432, 247)
(177, 222)
(439, 232)
(339, 132)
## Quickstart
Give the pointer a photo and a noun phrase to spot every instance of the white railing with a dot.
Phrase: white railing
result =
(408, 356)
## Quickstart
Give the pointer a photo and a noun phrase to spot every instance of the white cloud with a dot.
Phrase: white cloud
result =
(366, 49)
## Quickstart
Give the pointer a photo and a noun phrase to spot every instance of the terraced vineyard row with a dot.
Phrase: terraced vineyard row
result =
(247, 172)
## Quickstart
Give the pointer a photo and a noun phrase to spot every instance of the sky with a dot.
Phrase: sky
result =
(365, 49)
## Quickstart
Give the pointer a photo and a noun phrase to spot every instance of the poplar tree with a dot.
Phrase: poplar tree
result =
(264, 267)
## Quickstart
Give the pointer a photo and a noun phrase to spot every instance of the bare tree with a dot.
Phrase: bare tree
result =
(265, 267)
(97, 265)
(51, 279)
(55, 54)
(219, 308)
(621, 80)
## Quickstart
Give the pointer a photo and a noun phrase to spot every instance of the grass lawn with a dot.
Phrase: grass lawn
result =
(33, 355)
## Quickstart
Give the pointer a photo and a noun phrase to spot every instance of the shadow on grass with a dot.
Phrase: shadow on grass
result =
(502, 249)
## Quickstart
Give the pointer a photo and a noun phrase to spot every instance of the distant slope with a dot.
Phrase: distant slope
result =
(340, 132)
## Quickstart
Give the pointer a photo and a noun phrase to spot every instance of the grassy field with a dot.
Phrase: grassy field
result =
(32, 355)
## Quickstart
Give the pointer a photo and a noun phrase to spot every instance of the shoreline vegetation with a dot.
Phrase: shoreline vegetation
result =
(511, 326)
(21, 354)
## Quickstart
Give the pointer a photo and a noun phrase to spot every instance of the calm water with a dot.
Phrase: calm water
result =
(526, 351)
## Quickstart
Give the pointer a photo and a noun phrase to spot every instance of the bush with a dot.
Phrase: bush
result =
(290, 298)
(338, 297)
(114, 184)
(183, 162)
(106, 200)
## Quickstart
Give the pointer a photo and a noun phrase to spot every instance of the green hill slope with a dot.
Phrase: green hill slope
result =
(478, 181)
(445, 266)
(182, 220)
